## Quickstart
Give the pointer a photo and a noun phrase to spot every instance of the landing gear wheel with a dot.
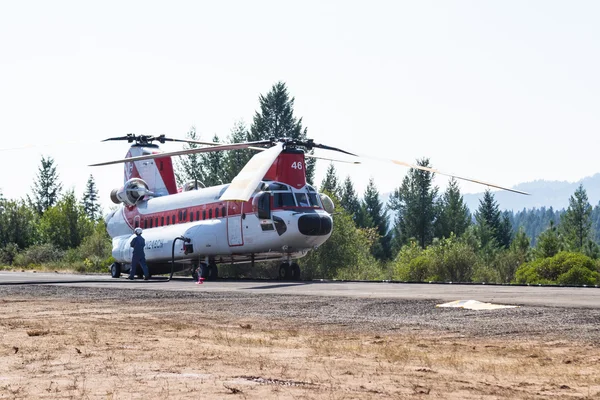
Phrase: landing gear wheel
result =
(295, 272)
(115, 270)
(284, 271)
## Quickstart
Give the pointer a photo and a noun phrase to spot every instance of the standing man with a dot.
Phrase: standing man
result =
(139, 257)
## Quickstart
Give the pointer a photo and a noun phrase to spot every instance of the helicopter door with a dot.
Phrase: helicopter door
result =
(234, 223)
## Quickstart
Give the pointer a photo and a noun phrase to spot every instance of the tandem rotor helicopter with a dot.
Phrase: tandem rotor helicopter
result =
(268, 212)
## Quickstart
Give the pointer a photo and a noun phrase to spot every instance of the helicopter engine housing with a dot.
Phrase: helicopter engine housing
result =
(133, 190)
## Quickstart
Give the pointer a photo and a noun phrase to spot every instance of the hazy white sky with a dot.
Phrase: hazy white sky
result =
(505, 91)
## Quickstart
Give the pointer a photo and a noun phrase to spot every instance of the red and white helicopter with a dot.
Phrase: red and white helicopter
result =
(268, 212)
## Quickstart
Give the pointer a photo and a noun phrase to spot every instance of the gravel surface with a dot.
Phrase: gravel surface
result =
(359, 314)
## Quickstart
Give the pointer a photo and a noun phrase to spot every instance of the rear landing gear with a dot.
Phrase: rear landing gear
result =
(115, 270)
(289, 272)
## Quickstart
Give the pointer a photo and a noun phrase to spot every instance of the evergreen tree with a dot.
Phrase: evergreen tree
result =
(349, 199)
(276, 120)
(330, 183)
(504, 236)
(373, 207)
(549, 242)
(91, 205)
(492, 225)
(415, 207)
(454, 216)
(235, 160)
(189, 167)
(213, 164)
(47, 187)
(576, 222)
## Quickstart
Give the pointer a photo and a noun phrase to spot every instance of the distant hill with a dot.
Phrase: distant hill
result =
(543, 194)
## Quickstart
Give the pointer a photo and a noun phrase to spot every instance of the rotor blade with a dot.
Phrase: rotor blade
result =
(325, 147)
(245, 183)
(264, 148)
(234, 146)
(435, 171)
(118, 138)
(332, 159)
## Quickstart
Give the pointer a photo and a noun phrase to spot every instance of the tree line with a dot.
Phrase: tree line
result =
(420, 234)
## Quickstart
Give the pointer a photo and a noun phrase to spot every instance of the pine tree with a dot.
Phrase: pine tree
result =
(576, 222)
(276, 120)
(549, 242)
(491, 224)
(235, 160)
(330, 183)
(189, 167)
(349, 199)
(91, 205)
(453, 215)
(213, 164)
(47, 187)
(415, 205)
(504, 236)
(377, 215)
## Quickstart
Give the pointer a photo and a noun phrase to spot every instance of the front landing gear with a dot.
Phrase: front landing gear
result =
(289, 272)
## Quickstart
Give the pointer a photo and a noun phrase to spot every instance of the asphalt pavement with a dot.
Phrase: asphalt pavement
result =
(574, 297)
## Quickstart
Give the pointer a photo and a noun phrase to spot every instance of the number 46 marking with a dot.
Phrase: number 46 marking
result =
(297, 165)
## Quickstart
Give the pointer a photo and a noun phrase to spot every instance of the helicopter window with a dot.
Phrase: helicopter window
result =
(302, 199)
(156, 221)
(162, 221)
(145, 223)
(168, 220)
(223, 211)
(197, 215)
(173, 219)
(150, 223)
(314, 200)
(210, 213)
(283, 200)
(191, 216)
(137, 223)
(217, 212)
(180, 215)
(204, 214)
(184, 217)
(310, 188)
(278, 186)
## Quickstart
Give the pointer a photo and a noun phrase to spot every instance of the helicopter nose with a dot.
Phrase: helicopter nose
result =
(315, 224)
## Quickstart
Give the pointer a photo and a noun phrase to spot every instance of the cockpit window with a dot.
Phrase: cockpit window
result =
(283, 200)
(310, 188)
(272, 186)
(307, 200)
(314, 200)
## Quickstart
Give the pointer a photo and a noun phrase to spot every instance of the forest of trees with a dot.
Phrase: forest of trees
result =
(420, 234)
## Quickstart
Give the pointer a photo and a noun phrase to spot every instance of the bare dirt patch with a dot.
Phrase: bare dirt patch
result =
(110, 344)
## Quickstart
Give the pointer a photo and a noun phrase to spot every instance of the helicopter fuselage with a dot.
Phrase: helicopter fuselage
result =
(286, 224)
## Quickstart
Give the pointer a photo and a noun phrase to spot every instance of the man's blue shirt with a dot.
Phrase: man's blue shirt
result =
(138, 244)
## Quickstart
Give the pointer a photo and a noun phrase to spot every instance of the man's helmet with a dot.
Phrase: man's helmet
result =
(138, 231)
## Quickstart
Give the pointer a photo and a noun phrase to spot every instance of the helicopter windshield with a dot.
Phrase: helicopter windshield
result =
(307, 200)
(285, 199)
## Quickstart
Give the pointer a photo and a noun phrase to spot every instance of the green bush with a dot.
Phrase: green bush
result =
(38, 254)
(9, 253)
(563, 268)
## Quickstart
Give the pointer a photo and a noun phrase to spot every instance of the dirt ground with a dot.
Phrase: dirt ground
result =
(68, 344)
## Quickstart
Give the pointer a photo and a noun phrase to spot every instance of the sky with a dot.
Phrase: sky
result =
(505, 91)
